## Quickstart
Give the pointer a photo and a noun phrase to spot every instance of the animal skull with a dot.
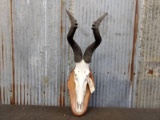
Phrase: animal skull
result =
(80, 78)
(77, 83)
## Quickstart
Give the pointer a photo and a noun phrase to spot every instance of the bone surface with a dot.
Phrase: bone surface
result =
(81, 74)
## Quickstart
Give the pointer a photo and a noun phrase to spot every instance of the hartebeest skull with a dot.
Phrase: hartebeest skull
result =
(81, 79)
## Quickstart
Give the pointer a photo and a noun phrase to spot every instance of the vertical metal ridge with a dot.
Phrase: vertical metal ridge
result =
(1, 65)
(28, 86)
(141, 76)
(63, 83)
(133, 57)
(46, 52)
(13, 68)
(61, 65)
(33, 76)
(116, 52)
(134, 41)
(110, 28)
(110, 55)
(40, 78)
(64, 50)
(25, 87)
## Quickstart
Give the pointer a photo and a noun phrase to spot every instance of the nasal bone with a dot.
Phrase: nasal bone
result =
(80, 97)
(80, 100)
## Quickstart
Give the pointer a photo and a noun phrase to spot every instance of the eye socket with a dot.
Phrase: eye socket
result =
(76, 79)
(87, 76)
(86, 79)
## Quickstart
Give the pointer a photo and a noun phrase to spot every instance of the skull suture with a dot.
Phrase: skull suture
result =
(77, 83)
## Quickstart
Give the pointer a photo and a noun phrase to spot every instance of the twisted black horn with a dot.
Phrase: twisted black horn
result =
(91, 48)
(75, 47)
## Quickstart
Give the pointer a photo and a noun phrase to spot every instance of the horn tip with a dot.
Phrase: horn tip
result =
(67, 12)
(106, 14)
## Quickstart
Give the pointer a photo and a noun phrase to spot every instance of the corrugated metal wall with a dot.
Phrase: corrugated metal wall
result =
(35, 58)
(147, 84)
(30, 40)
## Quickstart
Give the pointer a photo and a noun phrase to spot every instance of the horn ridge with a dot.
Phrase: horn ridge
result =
(75, 47)
(91, 48)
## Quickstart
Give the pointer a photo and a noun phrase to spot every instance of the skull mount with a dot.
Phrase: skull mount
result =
(81, 81)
